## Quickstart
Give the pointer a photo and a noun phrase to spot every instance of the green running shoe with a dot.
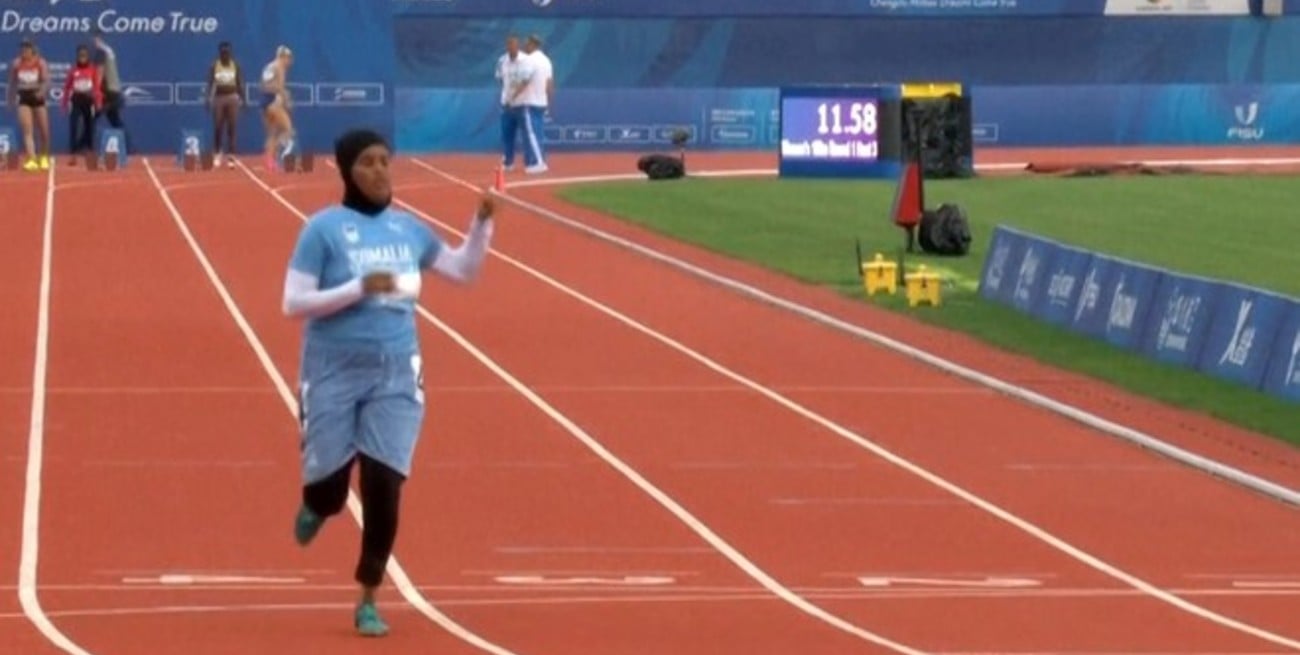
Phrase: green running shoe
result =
(306, 525)
(367, 621)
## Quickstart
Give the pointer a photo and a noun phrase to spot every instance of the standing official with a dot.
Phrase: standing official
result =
(533, 48)
(111, 85)
(530, 100)
(507, 72)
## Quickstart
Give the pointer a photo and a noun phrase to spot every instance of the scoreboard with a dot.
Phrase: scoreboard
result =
(841, 131)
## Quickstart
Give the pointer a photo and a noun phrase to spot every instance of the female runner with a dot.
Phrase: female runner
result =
(83, 98)
(29, 85)
(225, 97)
(275, 107)
(355, 276)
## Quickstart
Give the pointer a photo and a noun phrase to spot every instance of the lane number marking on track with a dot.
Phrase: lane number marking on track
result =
(1267, 584)
(182, 579)
(618, 580)
(990, 582)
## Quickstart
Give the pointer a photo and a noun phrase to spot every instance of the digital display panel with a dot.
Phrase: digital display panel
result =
(835, 129)
(839, 131)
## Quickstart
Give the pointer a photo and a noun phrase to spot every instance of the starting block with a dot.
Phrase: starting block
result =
(112, 147)
(109, 162)
(295, 163)
(203, 162)
(923, 287)
(8, 150)
(192, 156)
(880, 275)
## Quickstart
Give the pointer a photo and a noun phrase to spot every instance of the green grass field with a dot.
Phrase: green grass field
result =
(1228, 227)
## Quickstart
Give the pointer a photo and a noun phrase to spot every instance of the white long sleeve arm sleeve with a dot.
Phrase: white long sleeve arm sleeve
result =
(461, 264)
(303, 297)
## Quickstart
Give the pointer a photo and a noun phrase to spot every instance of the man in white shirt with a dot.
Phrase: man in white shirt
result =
(533, 48)
(509, 67)
(532, 100)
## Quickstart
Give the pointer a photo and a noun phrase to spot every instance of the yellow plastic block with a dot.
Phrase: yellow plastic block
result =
(923, 287)
(880, 275)
(931, 89)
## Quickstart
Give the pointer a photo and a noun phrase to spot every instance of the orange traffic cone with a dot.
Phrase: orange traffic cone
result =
(500, 183)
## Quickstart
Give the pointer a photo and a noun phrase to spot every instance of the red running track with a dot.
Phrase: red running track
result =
(147, 461)
(23, 216)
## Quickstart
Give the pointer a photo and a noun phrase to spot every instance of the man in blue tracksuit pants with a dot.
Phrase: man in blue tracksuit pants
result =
(526, 90)
(507, 71)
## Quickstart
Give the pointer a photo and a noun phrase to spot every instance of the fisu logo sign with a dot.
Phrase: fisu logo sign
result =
(1246, 129)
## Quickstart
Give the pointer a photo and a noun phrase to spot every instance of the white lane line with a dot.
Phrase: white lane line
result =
(607, 596)
(987, 506)
(395, 570)
(28, 595)
(762, 577)
(877, 592)
(1025, 394)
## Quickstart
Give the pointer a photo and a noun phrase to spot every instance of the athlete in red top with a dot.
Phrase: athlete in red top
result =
(29, 85)
(82, 91)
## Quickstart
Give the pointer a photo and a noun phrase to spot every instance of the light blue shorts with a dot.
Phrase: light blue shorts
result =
(358, 400)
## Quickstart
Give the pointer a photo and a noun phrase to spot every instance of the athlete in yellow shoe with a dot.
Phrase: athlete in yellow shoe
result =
(29, 85)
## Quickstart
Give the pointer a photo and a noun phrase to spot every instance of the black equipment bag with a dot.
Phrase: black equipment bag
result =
(666, 167)
(661, 167)
(945, 231)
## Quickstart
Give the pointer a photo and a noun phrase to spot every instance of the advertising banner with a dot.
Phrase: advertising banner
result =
(1064, 276)
(1284, 370)
(998, 278)
(714, 8)
(1181, 313)
(1226, 330)
(1242, 332)
(342, 72)
(593, 120)
(1177, 7)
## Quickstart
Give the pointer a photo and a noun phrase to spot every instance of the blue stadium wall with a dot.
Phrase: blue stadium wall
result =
(342, 74)
(1041, 72)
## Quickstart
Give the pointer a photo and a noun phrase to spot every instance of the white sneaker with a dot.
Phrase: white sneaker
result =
(539, 168)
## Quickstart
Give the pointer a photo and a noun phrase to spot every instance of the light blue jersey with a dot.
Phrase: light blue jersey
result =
(338, 245)
(361, 389)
